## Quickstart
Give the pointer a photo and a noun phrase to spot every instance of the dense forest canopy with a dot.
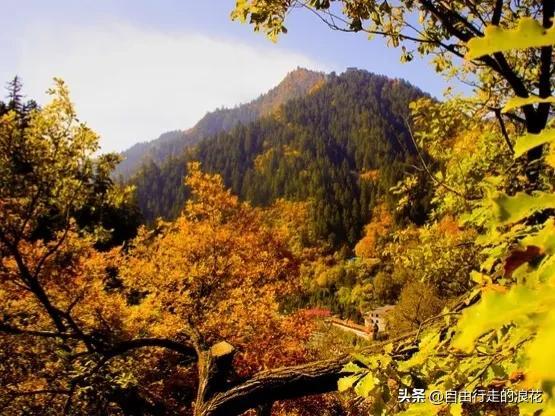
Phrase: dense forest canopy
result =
(343, 145)
(361, 196)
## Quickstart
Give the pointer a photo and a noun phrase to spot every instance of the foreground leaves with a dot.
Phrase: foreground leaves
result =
(528, 34)
(529, 141)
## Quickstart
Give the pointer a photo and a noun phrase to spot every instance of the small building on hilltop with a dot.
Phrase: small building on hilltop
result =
(377, 317)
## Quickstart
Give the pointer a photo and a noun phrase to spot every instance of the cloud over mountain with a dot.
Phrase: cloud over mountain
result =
(120, 74)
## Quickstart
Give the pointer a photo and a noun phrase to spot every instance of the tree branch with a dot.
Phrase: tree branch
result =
(280, 384)
(126, 346)
(497, 62)
(427, 169)
(499, 117)
(402, 36)
(11, 330)
(286, 383)
(498, 9)
(545, 62)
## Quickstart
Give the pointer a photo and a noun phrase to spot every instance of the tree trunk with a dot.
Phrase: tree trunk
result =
(534, 125)
(214, 369)
(273, 385)
(285, 383)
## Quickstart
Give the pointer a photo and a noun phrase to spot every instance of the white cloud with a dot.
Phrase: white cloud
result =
(131, 84)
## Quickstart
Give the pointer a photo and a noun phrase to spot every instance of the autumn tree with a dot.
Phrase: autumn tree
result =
(183, 319)
(216, 273)
(418, 302)
(506, 313)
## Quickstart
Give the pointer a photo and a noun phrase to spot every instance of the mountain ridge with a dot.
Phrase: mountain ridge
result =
(296, 83)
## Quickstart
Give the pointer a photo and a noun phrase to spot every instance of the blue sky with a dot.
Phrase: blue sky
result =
(137, 68)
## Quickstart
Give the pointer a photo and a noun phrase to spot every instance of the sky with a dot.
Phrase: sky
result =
(138, 68)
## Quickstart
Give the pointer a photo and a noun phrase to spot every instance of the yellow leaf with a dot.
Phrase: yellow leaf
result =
(529, 34)
(529, 141)
(531, 409)
(516, 102)
(456, 409)
(480, 278)
(540, 352)
(493, 311)
(550, 157)
(544, 239)
(511, 209)
(345, 383)
(366, 385)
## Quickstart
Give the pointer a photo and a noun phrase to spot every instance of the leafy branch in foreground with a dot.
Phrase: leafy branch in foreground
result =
(501, 341)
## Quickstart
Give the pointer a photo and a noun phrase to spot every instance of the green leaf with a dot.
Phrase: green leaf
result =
(529, 34)
(516, 102)
(546, 271)
(427, 347)
(540, 352)
(511, 209)
(493, 311)
(529, 141)
(496, 371)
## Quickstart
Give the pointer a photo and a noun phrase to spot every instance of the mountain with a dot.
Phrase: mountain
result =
(343, 145)
(296, 84)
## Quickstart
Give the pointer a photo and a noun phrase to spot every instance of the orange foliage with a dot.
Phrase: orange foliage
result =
(449, 227)
(218, 272)
(381, 223)
(370, 175)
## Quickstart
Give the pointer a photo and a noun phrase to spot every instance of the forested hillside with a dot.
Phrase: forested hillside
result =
(171, 144)
(342, 147)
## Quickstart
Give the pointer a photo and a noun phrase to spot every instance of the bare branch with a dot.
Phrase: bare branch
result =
(499, 117)
(498, 9)
(126, 346)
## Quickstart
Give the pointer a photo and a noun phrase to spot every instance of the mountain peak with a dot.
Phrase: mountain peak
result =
(296, 84)
(302, 75)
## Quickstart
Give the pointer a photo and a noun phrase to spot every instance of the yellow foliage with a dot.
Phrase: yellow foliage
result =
(529, 34)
